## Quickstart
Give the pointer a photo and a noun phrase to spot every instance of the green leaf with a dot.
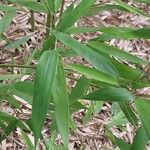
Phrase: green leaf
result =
(92, 111)
(126, 71)
(120, 143)
(13, 101)
(75, 14)
(11, 126)
(7, 19)
(130, 8)
(27, 140)
(140, 140)
(23, 90)
(57, 4)
(17, 43)
(122, 33)
(75, 106)
(80, 88)
(61, 104)
(110, 94)
(129, 113)
(44, 80)
(143, 106)
(143, 33)
(74, 30)
(117, 120)
(6, 7)
(96, 59)
(10, 76)
(94, 74)
(144, 1)
(8, 118)
(116, 52)
(51, 5)
(31, 5)
(100, 8)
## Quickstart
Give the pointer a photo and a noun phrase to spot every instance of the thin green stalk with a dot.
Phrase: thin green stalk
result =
(32, 21)
(15, 65)
(48, 24)
(62, 8)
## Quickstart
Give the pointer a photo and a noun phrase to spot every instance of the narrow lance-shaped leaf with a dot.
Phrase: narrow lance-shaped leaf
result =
(100, 8)
(122, 33)
(92, 73)
(96, 59)
(17, 43)
(120, 143)
(7, 19)
(110, 94)
(57, 4)
(129, 113)
(61, 104)
(44, 80)
(6, 7)
(10, 128)
(27, 140)
(31, 5)
(143, 107)
(116, 52)
(80, 88)
(130, 8)
(75, 14)
(7, 118)
(140, 140)
(50, 4)
(143, 1)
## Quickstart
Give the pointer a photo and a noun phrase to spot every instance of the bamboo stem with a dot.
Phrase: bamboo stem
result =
(15, 65)
(62, 8)
(32, 21)
(48, 24)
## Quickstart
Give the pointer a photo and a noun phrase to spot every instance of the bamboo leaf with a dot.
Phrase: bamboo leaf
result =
(51, 5)
(140, 140)
(7, 19)
(110, 94)
(27, 140)
(97, 60)
(100, 8)
(130, 8)
(75, 14)
(80, 88)
(143, 106)
(8, 118)
(10, 76)
(44, 80)
(116, 52)
(6, 7)
(129, 113)
(61, 104)
(11, 126)
(57, 4)
(144, 1)
(93, 74)
(31, 5)
(122, 33)
(17, 43)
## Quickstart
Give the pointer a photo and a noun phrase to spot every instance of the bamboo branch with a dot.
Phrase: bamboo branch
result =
(32, 21)
(62, 8)
(15, 65)
(48, 24)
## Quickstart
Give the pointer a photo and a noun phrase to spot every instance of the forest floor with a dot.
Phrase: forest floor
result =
(90, 135)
